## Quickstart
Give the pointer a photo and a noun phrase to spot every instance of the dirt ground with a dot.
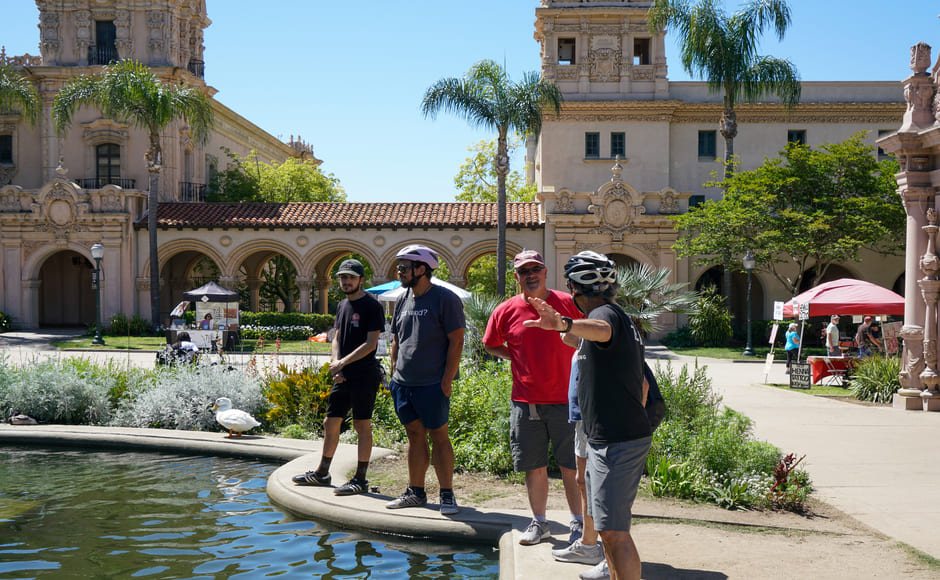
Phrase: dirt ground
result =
(695, 541)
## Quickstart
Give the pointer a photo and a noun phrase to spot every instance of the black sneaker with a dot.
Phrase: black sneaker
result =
(406, 500)
(352, 487)
(312, 478)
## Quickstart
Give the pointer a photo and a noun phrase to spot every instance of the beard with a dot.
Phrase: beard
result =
(352, 290)
(410, 283)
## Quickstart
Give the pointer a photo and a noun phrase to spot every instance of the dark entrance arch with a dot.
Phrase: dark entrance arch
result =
(66, 298)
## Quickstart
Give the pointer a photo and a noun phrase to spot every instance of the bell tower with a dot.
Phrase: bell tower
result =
(601, 49)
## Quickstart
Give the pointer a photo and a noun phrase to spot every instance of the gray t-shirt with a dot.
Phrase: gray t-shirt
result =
(422, 325)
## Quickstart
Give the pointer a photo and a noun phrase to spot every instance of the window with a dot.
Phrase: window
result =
(108, 164)
(618, 144)
(566, 50)
(592, 145)
(696, 200)
(105, 48)
(798, 137)
(641, 51)
(706, 145)
(881, 152)
(6, 148)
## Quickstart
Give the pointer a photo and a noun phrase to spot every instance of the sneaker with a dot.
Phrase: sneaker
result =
(599, 572)
(352, 487)
(577, 530)
(448, 504)
(535, 533)
(407, 500)
(578, 553)
(312, 478)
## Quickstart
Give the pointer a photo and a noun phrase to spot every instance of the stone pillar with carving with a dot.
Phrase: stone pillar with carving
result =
(305, 285)
(918, 91)
(930, 289)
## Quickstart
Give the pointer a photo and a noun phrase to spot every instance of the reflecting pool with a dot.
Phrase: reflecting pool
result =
(77, 514)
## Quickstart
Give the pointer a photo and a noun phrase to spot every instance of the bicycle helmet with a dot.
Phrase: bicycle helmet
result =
(593, 273)
(419, 253)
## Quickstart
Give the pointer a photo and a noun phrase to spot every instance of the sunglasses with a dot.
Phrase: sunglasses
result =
(404, 267)
(532, 270)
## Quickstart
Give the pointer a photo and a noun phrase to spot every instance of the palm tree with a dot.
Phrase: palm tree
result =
(17, 93)
(129, 92)
(723, 51)
(486, 97)
(645, 294)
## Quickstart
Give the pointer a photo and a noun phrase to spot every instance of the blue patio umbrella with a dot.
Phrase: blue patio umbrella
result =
(384, 287)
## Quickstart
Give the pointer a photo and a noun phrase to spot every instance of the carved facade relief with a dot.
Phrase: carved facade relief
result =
(669, 203)
(124, 40)
(605, 64)
(49, 44)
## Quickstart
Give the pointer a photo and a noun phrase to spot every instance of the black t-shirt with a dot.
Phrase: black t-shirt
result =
(354, 320)
(610, 385)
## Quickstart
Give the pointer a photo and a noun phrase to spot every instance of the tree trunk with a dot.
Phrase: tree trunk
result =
(729, 130)
(502, 170)
(154, 162)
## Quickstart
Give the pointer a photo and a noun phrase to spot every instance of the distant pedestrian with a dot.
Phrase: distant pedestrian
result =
(427, 340)
(356, 377)
(865, 340)
(792, 347)
(832, 336)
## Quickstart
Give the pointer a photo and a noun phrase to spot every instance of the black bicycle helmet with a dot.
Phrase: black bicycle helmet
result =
(593, 273)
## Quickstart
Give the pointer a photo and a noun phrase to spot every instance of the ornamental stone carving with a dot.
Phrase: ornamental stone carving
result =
(83, 40)
(49, 35)
(7, 171)
(156, 21)
(605, 64)
(567, 72)
(669, 203)
(920, 58)
(124, 40)
(564, 204)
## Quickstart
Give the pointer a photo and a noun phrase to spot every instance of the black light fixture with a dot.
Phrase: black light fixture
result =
(97, 252)
(749, 263)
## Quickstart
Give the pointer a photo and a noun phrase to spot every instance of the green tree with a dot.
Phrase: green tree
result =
(486, 97)
(722, 49)
(477, 179)
(249, 179)
(646, 294)
(129, 92)
(803, 211)
(17, 93)
(278, 283)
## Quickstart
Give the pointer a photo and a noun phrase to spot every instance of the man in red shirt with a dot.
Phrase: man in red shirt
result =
(541, 366)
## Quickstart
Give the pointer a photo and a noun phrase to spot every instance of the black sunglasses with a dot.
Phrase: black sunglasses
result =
(532, 270)
(405, 267)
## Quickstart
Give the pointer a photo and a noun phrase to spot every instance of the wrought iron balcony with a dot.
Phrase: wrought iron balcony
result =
(192, 192)
(99, 182)
(102, 54)
(197, 67)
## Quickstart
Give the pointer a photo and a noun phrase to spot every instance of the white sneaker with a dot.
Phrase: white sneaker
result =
(535, 533)
(599, 572)
(579, 553)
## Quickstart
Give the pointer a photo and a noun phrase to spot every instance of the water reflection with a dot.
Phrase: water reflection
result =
(74, 514)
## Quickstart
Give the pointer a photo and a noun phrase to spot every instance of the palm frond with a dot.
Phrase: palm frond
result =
(17, 93)
(645, 294)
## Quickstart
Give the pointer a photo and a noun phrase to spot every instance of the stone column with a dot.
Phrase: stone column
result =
(323, 296)
(305, 285)
(254, 293)
(30, 307)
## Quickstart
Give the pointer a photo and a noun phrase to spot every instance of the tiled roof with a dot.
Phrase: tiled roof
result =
(342, 215)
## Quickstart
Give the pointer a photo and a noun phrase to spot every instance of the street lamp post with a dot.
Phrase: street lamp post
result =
(97, 252)
(749, 262)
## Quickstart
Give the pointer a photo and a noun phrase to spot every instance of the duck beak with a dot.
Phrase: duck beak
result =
(213, 407)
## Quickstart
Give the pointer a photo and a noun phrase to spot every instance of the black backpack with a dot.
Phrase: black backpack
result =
(655, 403)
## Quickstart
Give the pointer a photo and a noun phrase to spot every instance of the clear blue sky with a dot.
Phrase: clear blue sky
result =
(348, 77)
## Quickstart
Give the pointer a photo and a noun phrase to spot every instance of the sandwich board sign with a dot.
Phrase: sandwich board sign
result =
(801, 376)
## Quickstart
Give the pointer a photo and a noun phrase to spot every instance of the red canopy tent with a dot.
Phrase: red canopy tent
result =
(847, 296)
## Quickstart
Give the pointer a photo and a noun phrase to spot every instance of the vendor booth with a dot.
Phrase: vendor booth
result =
(216, 317)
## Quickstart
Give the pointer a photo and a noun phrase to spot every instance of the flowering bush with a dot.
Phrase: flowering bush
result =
(298, 397)
(277, 332)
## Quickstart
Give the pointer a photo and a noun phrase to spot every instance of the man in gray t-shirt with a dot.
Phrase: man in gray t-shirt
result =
(427, 329)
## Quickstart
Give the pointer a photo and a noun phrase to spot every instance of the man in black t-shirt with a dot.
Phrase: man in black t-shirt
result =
(356, 376)
(612, 395)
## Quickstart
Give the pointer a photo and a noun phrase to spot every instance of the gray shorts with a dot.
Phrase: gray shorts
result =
(529, 437)
(612, 478)
(580, 440)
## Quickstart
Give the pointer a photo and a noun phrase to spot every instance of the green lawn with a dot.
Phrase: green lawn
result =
(154, 343)
(824, 390)
(736, 352)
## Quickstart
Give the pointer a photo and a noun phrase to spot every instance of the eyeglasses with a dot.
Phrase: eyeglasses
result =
(532, 270)
(404, 267)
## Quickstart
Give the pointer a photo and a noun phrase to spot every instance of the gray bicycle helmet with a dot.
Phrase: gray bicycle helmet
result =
(592, 272)
(419, 253)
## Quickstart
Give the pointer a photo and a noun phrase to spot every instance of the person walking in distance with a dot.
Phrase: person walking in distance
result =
(356, 377)
(792, 347)
(612, 394)
(427, 340)
(832, 336)
(541, 367)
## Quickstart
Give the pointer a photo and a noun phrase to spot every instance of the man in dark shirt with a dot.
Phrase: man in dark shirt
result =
(612, 395)
(356, 377)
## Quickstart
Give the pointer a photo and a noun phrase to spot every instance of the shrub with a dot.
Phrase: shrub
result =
(679, 338)
(876, 379)
(58, 391)
(710, 322)
(283, 325)
(299, 397)
(180, 397)
(479, 419)
(478, 309)
(6, 322)
(121, 325)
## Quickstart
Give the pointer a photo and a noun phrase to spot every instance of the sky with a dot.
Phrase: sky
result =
(348, 77)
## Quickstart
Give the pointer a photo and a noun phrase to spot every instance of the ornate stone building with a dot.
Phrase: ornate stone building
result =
(630, 151)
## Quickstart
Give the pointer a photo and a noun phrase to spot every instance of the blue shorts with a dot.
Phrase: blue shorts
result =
(612, 477)
(426, 404)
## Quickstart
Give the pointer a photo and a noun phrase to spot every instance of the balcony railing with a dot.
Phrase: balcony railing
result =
(192, 192)
(197, 67)
(99, 182)
(101, 54)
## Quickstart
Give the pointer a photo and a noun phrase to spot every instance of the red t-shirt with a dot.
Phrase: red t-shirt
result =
(541, 362)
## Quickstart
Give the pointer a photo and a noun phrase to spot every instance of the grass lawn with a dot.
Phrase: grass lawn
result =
(735, 352)
(825, 390)
(154, 343)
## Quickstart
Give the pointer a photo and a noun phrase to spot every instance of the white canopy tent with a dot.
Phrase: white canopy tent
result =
(392, 295)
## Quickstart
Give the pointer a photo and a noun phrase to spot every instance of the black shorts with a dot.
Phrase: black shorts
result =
(357, 394)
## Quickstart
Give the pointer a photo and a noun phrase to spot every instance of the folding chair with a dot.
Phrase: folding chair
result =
(833, 374)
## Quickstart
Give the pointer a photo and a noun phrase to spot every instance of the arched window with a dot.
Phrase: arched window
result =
(108, 164)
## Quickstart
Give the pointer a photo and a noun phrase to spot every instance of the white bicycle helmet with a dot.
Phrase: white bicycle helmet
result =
(594, 272)
(419, 253)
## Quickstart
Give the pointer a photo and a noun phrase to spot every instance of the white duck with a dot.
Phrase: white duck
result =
(232, 419)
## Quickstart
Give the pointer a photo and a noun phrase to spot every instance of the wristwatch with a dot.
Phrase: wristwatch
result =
(568, 322)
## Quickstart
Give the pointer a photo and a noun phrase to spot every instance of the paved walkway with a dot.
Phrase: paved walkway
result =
(877, 464)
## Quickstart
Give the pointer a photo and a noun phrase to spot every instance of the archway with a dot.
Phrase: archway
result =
(184, 271)
(66, 296)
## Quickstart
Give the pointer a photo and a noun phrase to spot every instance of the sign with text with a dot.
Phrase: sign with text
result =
(778, 310)
(768, 364)
(804, 311)
(773, 333)
(801, 376)
(891, 331)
